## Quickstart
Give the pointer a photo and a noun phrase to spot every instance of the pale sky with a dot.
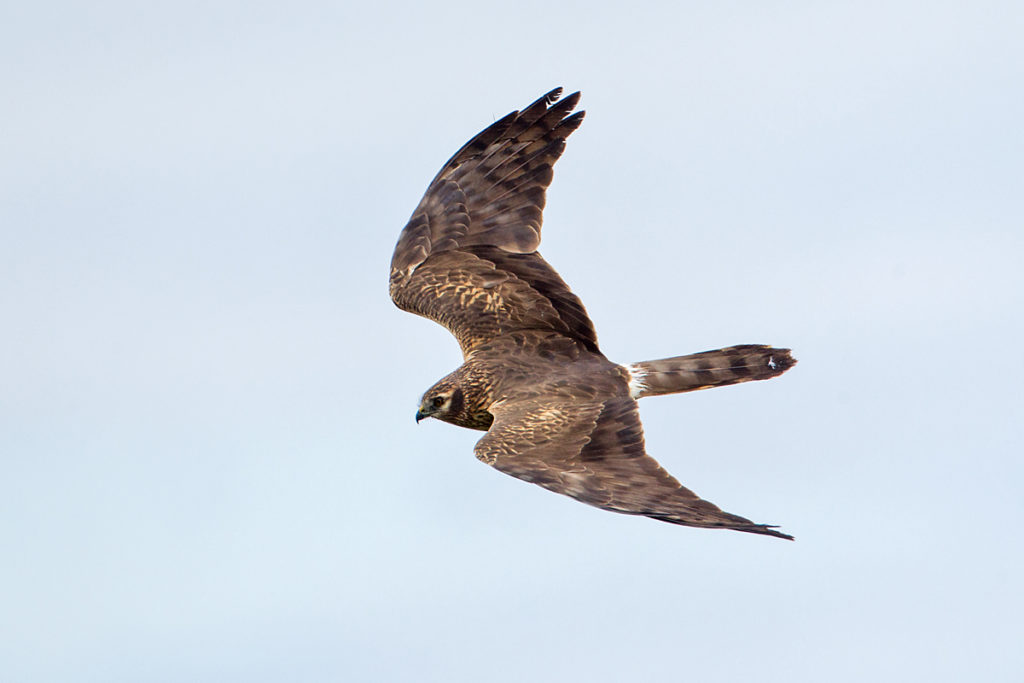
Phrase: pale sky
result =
(209, 467)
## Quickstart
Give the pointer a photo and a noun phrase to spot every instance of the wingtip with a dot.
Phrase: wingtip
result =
(772, 530)
(567, 104)
(766, 530)
(572, 122)
(572, 100)
(552, 96)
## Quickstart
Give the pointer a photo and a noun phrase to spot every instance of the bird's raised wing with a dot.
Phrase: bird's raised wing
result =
(468, 256)
(593, 451)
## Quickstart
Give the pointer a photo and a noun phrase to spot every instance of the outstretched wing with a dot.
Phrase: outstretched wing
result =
(468, 256)
(594, 452)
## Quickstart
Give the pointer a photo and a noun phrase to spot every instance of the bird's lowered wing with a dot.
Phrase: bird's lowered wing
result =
(593, 451)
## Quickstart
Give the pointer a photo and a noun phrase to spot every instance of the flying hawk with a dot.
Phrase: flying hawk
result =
(557, 412)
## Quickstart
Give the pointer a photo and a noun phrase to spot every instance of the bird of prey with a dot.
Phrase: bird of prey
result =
(557, 412)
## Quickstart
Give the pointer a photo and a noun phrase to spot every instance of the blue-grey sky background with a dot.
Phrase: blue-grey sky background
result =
(210, 469)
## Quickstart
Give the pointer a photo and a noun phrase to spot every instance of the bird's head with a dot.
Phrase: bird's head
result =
(443, 401)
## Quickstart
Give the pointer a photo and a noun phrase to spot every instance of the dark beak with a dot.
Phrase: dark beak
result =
(419, 416)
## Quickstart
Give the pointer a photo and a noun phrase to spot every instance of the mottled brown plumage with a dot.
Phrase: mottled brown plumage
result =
(556, 411)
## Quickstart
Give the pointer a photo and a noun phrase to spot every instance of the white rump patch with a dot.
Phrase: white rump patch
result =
(637, 385)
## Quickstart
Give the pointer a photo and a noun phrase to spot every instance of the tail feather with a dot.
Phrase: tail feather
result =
(721, 367)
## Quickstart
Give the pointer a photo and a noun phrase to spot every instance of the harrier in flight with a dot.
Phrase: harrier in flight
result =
(556, 412)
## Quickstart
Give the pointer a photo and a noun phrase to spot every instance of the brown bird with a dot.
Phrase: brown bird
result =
(557, 412)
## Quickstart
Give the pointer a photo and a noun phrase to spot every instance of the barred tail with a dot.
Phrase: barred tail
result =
(708, 369)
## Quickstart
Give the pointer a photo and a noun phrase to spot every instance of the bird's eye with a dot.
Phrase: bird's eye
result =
(438, 401)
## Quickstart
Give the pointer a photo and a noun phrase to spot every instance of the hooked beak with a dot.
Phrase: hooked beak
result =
(420, 415)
